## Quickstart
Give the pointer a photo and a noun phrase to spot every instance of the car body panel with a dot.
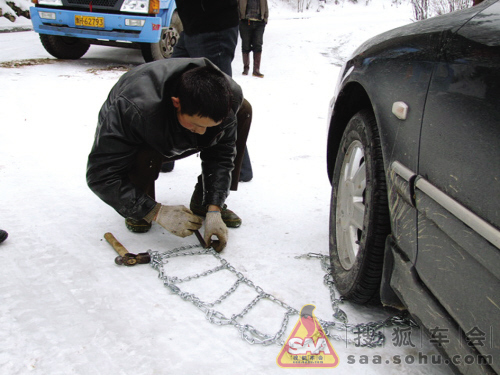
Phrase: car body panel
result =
(443, 179)
(404, 56)
(460, 157)
(433, 318)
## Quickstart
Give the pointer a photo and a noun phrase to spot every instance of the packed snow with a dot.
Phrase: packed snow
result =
(67, 308)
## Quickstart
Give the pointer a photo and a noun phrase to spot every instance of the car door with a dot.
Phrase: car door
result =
(457, 190)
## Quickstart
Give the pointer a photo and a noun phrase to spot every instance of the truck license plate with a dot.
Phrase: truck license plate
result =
(89, 21)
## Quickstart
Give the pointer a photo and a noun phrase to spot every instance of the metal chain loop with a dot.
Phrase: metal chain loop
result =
(369, 333)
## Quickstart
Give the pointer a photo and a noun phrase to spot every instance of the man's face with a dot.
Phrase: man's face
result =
(195, 123)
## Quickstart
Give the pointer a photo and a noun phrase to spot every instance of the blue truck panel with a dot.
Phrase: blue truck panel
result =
(68, 27)
(114, 26)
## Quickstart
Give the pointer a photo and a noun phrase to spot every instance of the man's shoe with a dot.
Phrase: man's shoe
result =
(137, 226)
(228, 217)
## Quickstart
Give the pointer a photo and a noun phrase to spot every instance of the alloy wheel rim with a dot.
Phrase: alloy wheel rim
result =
(168, 40)
(350, 206)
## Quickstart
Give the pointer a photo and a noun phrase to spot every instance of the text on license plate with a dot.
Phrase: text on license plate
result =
(89, 21)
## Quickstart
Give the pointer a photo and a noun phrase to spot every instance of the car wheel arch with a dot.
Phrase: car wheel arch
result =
(350, 100)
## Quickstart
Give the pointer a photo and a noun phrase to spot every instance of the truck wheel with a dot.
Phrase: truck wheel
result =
(63, 47)
(359, 213)
(164, 48)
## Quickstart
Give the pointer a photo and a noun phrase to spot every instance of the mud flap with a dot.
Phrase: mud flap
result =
(387, 295)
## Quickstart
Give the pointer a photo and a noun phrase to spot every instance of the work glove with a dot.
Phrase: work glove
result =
(178, 220)
(214, 226)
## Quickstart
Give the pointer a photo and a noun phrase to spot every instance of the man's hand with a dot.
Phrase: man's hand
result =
(214, 226)
(178, 220)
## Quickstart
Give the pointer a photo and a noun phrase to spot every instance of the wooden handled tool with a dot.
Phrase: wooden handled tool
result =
(124, 257)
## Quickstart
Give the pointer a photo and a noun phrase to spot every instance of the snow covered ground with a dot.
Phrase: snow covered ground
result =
(66, 308)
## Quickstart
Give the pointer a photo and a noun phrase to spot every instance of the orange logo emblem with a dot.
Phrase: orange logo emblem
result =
(307, 346)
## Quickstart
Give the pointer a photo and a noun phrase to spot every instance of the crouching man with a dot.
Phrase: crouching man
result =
(163, 111)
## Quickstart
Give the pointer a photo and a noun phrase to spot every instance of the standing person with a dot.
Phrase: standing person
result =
(170, 109)
(253, 20)
(211, 31)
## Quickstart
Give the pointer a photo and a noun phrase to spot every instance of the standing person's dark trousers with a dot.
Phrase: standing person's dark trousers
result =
(252, 39)
(218, 47)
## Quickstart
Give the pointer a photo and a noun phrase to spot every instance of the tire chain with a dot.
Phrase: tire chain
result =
(370, 332)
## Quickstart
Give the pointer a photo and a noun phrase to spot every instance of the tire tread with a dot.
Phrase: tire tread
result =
(361, 284)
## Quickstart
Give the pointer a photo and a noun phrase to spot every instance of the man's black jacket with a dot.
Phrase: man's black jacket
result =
(139, 113)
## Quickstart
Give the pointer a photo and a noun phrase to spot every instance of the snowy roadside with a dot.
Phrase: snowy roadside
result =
(21, 24)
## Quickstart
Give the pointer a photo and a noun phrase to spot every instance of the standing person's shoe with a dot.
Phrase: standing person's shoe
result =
(257, 56)
(246, 63)
(3, 235)
(228, 217)
(167, 166)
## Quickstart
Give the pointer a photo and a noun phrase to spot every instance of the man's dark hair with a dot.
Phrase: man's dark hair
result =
(205, 92)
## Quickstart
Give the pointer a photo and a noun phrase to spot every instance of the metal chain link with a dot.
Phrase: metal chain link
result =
(369, 332)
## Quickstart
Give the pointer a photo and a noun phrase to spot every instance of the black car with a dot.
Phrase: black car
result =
(414, 161)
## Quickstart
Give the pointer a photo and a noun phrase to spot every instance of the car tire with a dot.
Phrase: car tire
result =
(359, 213)
(164, 48)
(64, 47)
